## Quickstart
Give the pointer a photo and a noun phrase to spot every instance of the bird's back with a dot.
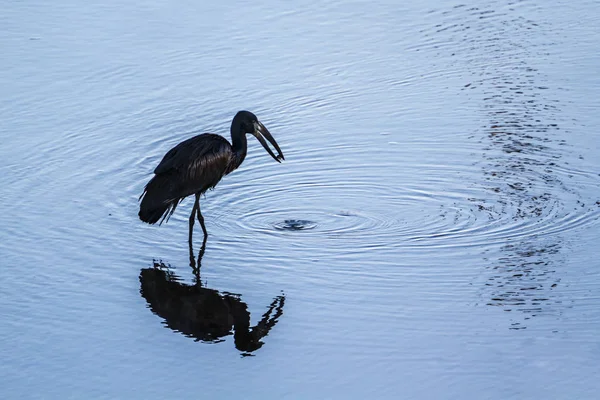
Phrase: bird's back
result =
(202, 148)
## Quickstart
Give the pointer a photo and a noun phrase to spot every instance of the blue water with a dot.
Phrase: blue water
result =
(432, 233)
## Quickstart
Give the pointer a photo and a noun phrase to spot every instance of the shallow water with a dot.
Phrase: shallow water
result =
(432, 233)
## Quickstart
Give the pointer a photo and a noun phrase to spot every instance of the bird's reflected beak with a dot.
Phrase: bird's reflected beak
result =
(261, 132)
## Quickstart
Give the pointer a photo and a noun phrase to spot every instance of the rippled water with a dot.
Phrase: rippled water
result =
(432, 233)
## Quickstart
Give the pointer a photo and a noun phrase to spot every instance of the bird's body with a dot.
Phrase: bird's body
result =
(197, 165)
(193, 166)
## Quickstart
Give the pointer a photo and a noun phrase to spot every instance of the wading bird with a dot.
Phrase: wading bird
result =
(198, 164)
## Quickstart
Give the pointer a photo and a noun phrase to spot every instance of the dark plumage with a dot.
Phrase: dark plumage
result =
(198, 164)
(194, 165)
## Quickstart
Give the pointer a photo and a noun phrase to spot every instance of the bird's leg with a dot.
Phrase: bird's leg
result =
(192, 221)
(200, 217)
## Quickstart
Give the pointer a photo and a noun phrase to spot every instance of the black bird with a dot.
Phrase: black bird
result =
(198, 164)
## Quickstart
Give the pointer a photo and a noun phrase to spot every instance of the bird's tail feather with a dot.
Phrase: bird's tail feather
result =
(158, 202)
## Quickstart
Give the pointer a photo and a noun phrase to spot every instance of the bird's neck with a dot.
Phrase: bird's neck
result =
(239, 143)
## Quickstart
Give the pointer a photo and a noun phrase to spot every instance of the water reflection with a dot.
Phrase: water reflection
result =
(202, 313)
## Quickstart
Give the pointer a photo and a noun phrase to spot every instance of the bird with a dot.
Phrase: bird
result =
(196, 165)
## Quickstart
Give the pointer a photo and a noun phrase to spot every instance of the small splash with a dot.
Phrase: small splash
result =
(295, 225)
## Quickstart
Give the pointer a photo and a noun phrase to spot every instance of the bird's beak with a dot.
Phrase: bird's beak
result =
(259, 131)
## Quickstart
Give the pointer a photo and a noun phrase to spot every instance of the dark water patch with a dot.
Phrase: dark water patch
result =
(531, 204)
(295, 225)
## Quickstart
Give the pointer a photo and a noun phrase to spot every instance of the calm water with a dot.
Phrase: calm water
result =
(432, 234)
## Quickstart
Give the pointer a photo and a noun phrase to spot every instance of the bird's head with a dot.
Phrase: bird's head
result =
(250, 124)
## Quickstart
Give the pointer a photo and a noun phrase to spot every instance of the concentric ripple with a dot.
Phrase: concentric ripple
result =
(295, 225)
(323, 223)
(422, 207)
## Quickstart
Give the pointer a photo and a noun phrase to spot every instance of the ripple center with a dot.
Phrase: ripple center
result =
(295, 225)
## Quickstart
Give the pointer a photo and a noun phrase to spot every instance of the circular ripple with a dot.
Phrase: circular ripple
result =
(295, 225)
(382, 205)
(397, 216)
(321, 222)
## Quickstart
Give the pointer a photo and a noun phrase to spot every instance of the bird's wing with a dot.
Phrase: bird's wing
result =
(191, 150)
(198, 161)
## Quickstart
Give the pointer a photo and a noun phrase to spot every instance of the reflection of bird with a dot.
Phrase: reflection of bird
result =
(202, 313)
(198, 164)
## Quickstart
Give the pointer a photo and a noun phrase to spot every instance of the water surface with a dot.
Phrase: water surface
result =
(432, 233)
